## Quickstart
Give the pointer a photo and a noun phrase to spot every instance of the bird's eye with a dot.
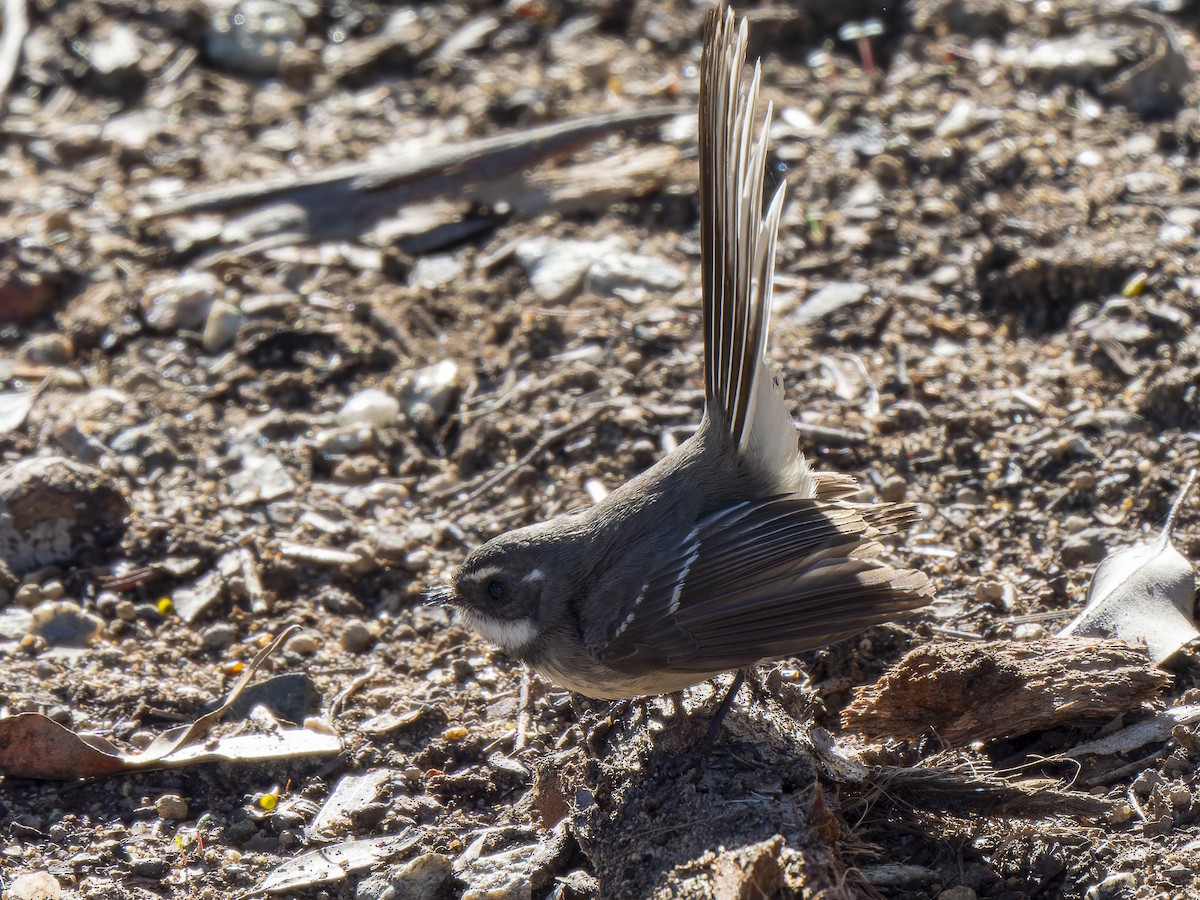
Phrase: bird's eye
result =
(496, 590)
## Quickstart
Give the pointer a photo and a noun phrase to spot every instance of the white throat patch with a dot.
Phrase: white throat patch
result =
(510, 634)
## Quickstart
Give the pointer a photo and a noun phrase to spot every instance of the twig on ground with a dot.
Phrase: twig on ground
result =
(545, 443)
(335, 708)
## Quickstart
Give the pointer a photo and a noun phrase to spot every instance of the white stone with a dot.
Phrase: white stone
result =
(431, 390)
(556, 268)
(34, 886)
(370, 407)
(221, 327)
(181, 301)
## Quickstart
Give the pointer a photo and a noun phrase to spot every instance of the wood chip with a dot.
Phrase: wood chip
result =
(970, 691)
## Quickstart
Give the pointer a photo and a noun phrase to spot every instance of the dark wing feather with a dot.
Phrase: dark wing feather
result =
(762, 580)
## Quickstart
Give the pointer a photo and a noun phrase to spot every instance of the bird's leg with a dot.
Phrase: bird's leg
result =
(524, 714)
(758, 685)
(726, 702)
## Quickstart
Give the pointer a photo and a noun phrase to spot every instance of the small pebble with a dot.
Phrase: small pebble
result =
(180, 301)
(430, 392)
(53, 590)
(366, 561)
(957, 122)
(1088, 545)
(48, 349)
(152, 867)
(370, 407)
(893, 489)
(356, 637)
(252, 36)
(556, 267)
(221, 326)
(345, 440)
(56, 509)
(968, 497)
(305, 643)
(1029, 631)
(148, 612)
(32, 644)
(219, 636)
(171, 807)
(1121, 814)
(65, 622)
(946, 276)
(114, 51)
(34, 886)
(431, 272)
(989, 591)
(126, 610)
(619, 272)
(29, 595)
(828, 300)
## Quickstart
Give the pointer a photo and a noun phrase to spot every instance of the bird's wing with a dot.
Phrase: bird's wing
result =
(762, 580)
(744, 396)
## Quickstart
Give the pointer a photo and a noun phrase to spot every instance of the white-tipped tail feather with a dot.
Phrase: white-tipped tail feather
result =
(744, 397)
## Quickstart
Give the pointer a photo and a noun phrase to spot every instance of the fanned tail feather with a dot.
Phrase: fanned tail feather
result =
(744, 398)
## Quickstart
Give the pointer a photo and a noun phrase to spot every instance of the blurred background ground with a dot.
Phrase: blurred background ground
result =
(315, 400)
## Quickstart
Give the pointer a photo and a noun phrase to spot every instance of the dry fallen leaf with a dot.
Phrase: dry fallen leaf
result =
(14, 407)
(352, 792)
(334, 863)
(1144, 594)
(34, 746)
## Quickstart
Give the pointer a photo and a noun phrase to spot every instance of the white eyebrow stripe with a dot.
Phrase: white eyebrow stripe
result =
(486, 573)
(534, 575)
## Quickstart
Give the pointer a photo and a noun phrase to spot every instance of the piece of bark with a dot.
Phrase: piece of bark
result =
(977, 691)
(342, 202)
(585, 187)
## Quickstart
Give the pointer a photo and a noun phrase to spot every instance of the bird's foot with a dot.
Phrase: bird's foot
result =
(714, 726)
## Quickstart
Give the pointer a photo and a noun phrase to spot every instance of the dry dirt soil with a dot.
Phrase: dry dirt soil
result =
(998, 211)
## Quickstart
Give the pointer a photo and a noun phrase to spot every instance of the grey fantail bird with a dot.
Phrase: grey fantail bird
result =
(730, 550)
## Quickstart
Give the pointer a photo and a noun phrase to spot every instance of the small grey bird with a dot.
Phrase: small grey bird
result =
(730, 550)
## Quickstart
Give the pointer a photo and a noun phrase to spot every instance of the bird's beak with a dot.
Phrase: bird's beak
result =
(440, 595)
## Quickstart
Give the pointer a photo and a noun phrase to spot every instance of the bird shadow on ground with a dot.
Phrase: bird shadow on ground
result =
(660, 813)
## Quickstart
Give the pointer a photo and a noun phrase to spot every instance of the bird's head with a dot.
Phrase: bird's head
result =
(516, 586)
